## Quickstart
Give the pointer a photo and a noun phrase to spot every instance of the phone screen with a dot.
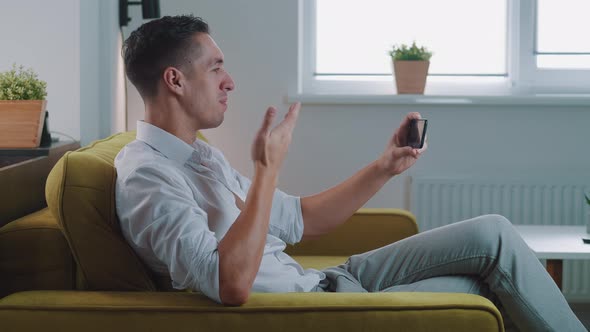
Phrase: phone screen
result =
(416, 133)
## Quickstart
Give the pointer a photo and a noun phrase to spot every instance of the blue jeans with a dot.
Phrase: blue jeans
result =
(483, 256)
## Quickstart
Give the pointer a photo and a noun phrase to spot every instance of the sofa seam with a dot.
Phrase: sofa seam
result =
(62, 216)
(52, 269)
(247, 311)
(35, 228)
(84, 187)
(222, 309)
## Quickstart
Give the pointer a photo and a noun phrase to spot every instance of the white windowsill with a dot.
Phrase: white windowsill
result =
(502, 100)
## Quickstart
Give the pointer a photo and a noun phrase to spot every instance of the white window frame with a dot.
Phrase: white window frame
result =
(523, 76)
(544, 79)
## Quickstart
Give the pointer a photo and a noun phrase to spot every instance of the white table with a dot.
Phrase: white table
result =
(556, 243)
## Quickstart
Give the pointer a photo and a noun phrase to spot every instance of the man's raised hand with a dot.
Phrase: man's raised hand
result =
(270, 146)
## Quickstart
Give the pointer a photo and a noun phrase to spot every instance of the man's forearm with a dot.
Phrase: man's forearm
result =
(325, 211)
(241, 249)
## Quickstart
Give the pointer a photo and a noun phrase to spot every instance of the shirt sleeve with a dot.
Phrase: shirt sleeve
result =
(161, 215)
(286, 218)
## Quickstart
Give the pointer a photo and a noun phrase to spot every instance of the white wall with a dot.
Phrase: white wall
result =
(45, 36)
(90, 71)
(102, 92)
(134, 101)
(331, 142)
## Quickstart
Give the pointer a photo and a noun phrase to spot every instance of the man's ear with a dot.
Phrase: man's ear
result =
(173, 80)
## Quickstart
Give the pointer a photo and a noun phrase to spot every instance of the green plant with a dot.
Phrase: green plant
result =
(587, 199)
(21, 84)
(412, 53)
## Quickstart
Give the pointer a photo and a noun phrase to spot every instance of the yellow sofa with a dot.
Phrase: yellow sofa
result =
(67, 268)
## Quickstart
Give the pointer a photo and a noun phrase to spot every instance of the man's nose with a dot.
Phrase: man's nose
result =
(228, 84)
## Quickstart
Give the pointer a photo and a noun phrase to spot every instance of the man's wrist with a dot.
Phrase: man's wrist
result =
(381, 168)
(265, 173)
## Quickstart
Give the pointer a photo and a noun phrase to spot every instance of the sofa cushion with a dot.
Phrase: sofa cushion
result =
(80, 193)
(159, 311)
(34, 255)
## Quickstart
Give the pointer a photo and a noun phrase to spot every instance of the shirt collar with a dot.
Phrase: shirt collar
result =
(169, 145)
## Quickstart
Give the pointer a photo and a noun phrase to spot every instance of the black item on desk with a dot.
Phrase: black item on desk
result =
(45, 135)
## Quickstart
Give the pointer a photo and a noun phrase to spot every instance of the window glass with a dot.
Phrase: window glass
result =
(466, 37)
(562, 33)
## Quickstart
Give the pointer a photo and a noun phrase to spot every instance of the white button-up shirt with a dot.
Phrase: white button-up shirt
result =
(176, 201)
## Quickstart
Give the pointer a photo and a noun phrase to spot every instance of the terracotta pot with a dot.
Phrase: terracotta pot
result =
(410, 76)
(21, 123)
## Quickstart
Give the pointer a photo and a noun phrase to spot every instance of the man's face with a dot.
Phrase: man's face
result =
(208, 85)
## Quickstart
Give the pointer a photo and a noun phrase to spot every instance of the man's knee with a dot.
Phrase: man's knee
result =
(493, 226)
(498, 221)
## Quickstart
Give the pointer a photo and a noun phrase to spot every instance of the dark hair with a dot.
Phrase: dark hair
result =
(159, 44)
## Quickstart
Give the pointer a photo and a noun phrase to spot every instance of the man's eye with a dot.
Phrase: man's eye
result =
(216, 70)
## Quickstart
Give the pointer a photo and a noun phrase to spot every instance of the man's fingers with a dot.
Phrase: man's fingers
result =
(413, 115)
(291, 117)
(406, 151)
(293, 114)
(409, 117)
(296, 106)
(402, 131)
(268, 119)
(424, 147)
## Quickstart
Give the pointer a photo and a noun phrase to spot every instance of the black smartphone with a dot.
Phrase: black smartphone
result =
(416, 133)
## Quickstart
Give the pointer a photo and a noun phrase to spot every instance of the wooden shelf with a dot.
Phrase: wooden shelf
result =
(40, 151)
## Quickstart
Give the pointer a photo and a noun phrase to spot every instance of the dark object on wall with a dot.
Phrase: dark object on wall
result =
(149, 9)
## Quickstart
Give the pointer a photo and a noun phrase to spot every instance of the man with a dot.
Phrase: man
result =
(190, 215)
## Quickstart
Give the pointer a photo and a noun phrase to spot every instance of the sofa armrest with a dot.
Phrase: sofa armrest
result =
(179, 311)
(366, 230)
(34, 255)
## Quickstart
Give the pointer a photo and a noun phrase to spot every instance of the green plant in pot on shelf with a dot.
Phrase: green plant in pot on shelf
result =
(410, 67)
(22, 108)
(19, 83)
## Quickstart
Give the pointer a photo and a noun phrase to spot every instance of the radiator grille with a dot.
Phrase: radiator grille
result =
(438, 201)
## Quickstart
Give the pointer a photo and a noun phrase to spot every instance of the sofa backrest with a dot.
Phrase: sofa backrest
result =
(80, 193)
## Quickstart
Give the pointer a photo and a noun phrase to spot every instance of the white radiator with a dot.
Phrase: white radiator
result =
(438, 201)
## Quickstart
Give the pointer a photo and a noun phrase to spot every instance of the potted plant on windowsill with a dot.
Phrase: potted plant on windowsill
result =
(22, 108)
(410, 67)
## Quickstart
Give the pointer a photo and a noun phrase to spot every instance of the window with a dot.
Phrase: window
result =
(561, 30)
(344, 38)
(483, 47)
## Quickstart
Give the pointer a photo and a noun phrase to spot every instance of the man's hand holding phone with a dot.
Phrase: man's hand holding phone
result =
(406, 145)
(416, 135)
